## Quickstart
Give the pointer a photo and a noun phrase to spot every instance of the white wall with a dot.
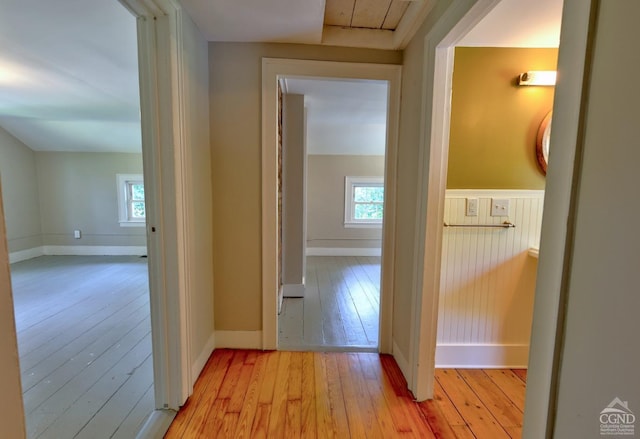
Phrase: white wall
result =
(409, 155)
(340, 137)
(199, 200)
(600, 359)
(325, 201)
(21, 198)
(487, 282)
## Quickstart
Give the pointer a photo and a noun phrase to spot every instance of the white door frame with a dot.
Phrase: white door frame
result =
(436, 108)
(164, 149)
(272, 70)
(439, 47)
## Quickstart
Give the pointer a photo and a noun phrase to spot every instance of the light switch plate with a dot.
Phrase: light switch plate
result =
(500, 207)
(472, 207)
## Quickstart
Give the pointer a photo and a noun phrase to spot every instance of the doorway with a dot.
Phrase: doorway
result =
(440, 43)
(161, 45)
(273, 70)
(333, 155)
(493, 203)
(80, 286)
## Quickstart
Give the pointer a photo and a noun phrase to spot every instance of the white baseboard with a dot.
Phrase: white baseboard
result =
(77, 250)
(24, 255)
(203, 357)
(402, 362)
(157, 424)
(293, 290)
(95, 250)
(239, 339)
(344, 251)
(482, 356)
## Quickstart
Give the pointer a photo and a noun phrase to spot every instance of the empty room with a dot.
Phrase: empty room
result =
(73, 192)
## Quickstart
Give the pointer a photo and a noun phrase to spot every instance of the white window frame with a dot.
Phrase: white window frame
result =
(124, 181)
(349, 203)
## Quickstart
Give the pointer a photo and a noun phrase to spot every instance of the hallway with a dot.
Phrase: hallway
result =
(251, 394)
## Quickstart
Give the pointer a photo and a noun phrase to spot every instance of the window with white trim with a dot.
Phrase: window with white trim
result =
(363, 201)
(131, 205)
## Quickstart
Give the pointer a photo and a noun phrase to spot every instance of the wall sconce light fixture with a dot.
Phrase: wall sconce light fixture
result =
(537, 77)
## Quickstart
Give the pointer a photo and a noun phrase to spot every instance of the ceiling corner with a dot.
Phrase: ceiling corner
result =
(411, 21)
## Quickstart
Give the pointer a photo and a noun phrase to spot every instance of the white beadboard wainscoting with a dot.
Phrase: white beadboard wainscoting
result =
(488, 281)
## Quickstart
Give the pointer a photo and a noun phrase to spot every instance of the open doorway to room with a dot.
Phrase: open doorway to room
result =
(481, 279)
(71, 168)
(273, 70)
(333, 163)
(493, 203)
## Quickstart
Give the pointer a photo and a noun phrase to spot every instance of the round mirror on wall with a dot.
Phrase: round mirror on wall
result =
(542, 143)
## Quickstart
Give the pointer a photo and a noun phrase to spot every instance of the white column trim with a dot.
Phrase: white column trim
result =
(162, 91)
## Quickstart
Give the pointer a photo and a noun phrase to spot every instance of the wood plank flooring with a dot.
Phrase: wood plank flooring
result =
(340, 309)
(84, 339)
(278, 394)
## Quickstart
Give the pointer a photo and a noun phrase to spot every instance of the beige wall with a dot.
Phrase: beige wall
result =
(235, 96)
(78, 191)
(11, 408)
(494, 122)
(199, 200)
(325, 200)
(21, 200)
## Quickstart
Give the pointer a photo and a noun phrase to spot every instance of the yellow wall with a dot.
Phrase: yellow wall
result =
(235, 95)
(494, 122)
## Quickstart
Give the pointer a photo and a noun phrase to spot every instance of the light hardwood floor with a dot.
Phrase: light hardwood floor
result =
(340, 308)
(84, 339)
(278, 394)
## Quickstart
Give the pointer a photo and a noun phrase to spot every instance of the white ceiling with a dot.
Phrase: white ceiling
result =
(68, 68)
(68, 75)
(518, 23)
(291, 21)
(343, 117)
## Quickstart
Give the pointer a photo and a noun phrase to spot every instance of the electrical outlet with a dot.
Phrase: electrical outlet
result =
(500, 207)
(76, 234)
(472, 207)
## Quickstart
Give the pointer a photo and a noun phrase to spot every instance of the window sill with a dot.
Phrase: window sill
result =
(362, 225)
(132, 224)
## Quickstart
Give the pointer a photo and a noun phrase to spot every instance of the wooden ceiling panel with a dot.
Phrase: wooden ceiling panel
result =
(396, 12)
(338, 12)
(365, 14)
(370, 13)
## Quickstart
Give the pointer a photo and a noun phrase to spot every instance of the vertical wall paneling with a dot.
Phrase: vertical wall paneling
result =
(487, 280)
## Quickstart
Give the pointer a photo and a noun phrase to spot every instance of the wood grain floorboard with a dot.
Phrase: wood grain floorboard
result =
(339, 395)
(85, 346)
(340, 309)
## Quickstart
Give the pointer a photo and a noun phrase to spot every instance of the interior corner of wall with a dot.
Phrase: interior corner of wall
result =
(401, 360)
(202, 358)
